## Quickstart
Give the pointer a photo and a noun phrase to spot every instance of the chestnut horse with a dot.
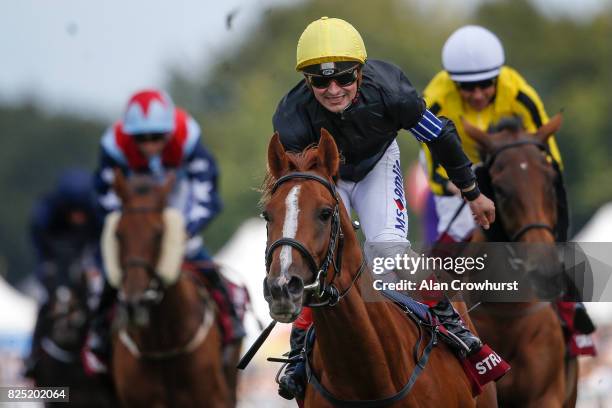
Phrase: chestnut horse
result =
(364, 352)
(167, 351)
(527, 334)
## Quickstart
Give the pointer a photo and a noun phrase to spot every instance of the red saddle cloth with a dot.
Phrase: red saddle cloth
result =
(483, 367)
(577, 344)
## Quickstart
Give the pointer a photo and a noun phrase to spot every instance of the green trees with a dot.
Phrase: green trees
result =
(568, 63)
(34, 148)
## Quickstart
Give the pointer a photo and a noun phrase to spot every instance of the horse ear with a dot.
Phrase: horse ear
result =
(277, 158)
(553, 126)
(120, 185)
(328, 153)
(481, 137)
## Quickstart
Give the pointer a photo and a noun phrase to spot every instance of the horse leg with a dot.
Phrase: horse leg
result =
(488, 398)
(571, 382)
(231, 356)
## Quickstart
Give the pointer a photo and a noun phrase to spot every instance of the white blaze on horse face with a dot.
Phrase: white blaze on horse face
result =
(292, 209)
(523, 166)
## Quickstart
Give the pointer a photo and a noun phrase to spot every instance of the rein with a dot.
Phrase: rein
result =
(489, 163)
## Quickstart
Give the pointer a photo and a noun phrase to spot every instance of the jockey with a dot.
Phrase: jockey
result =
(363, 104)
(64, 230)
(477, 86)
(155, 138)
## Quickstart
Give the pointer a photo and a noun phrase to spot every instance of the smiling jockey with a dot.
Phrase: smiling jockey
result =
(154, 138)
(363, 104)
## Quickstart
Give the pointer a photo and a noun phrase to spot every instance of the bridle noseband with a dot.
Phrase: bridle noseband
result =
(488, 163)
(328, 294)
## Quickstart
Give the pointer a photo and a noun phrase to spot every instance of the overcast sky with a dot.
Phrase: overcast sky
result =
(88, 56)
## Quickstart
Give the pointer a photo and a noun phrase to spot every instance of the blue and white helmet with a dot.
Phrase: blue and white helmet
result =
(472, 53)
(149, 111)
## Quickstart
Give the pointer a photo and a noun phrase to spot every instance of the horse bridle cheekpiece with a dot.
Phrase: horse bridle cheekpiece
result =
(498, 233)
(328, 294)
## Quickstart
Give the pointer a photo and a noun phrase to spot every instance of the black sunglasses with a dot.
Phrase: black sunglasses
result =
(149, 137)
(470, 86)
(342, 79)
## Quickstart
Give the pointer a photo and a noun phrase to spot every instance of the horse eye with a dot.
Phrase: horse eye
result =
(265, 216)
(325, 214)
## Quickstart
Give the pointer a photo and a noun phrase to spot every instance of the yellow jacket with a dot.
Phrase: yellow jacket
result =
(514, 96)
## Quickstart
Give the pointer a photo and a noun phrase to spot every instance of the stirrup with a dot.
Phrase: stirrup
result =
(297, 377)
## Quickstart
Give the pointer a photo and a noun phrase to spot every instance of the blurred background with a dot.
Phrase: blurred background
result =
(69, 66)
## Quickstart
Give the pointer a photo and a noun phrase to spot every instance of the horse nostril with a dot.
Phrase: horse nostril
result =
(276, 290)
(295, 286)
(266, 287)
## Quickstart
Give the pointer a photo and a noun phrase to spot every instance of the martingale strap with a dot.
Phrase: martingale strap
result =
(383, 402)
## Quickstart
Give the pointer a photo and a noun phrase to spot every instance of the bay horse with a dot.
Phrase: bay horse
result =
(528, 334)
(63, 328)
(167, 347)
(365, 352)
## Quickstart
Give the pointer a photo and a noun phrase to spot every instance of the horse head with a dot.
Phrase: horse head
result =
(522, 180)
(304, 221)
(143, 245)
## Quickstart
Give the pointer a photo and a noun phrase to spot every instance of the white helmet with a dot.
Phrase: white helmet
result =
(472, 53)
(149, 111)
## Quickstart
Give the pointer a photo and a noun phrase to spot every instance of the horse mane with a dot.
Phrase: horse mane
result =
(141, 184)
(513, 124)
(306, 160)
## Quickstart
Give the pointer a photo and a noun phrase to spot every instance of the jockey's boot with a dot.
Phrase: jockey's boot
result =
(450, 319)
(293, 382)
(582, 321)
(236, 331)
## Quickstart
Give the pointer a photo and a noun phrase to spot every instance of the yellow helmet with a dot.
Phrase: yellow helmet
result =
(329, 40)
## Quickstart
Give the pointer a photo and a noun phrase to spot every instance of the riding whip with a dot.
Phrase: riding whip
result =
(246, 359)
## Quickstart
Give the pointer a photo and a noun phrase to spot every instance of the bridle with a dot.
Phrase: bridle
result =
(326, 293)
(488, 163)
(154, 293)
